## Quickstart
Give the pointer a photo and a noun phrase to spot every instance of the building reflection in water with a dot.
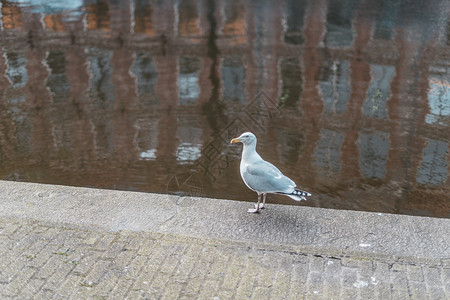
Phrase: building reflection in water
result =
(147, 138)
(57, 81)
(146, 74)
(433, 169)
(131, 94)
(233, 80)
(339, 31)
(143, 16)
(295, 12)
(438, 95)
(16, 70)
(334, 85)
(327, 152)
(97, 15)
(188, 77)
(373, 151)
(379, 91)
(292, 82)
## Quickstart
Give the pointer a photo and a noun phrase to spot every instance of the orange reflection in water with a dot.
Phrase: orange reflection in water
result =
(348, 98)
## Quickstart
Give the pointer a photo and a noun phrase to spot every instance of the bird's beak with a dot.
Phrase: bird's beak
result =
(236, 140)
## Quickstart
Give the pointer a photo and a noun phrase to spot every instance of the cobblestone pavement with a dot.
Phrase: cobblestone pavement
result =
(54, 261)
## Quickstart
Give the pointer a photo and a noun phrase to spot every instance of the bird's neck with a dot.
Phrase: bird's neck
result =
(249, 152)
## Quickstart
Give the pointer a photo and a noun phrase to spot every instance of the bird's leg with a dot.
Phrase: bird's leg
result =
(256, 210)
(264, 200)
(262, 206)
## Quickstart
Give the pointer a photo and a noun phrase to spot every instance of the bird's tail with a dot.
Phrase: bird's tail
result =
(298, 195)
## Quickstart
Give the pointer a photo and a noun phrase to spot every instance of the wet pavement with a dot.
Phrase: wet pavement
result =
(351, 99)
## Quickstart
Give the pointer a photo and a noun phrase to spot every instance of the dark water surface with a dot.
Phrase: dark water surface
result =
(351, 99)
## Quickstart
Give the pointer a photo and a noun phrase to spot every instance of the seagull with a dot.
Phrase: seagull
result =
(263, 177)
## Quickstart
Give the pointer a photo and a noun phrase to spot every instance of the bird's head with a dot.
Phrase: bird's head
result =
(246, 138)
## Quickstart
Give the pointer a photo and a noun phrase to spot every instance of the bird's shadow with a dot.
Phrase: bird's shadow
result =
(281, 223)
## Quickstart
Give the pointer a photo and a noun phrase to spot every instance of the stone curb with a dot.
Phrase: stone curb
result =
(305, 229)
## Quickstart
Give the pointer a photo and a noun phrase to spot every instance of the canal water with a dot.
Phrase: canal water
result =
(350, 99)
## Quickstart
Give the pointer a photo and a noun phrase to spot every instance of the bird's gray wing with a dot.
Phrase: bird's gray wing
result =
(265, 177)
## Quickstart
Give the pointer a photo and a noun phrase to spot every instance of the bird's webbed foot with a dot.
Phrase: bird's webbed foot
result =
(261, 206)
(257, 206)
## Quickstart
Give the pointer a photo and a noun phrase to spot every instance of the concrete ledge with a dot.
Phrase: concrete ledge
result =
(313, 230)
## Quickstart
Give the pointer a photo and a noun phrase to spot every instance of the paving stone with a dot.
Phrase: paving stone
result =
(96, 273)
(44, 294)
(196, 277)
(31, 288)
(314, 282)
(186, 264)
(348, 293)
(246, 287)
(134, 268)
(158, 285)
(15, 287)
(122, 260)
(446, 275)
(209, 288)
(121, 289)
(69, 287)
(446, 263)
(436, 293)
(147, 246)
(105, 241)
(127, 265)
(366, 292)
(316, 264)
(350, 262)
(224, 294)
(415, 273)
(58, 277)
(398, 267)
(349, 277)
(8, 229)
(432, 276)
(381, 272)
(115, 249)
(400, 295)
(300, 272)
(281, 284)
(85, 262)
(232, 277)
(365, 267)
(383, 291)
(172, 291)
(399, 281)
(217, 270)
(418, 290)
(265, 272)
(261, 292)
(61, 237)
(104, 287)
